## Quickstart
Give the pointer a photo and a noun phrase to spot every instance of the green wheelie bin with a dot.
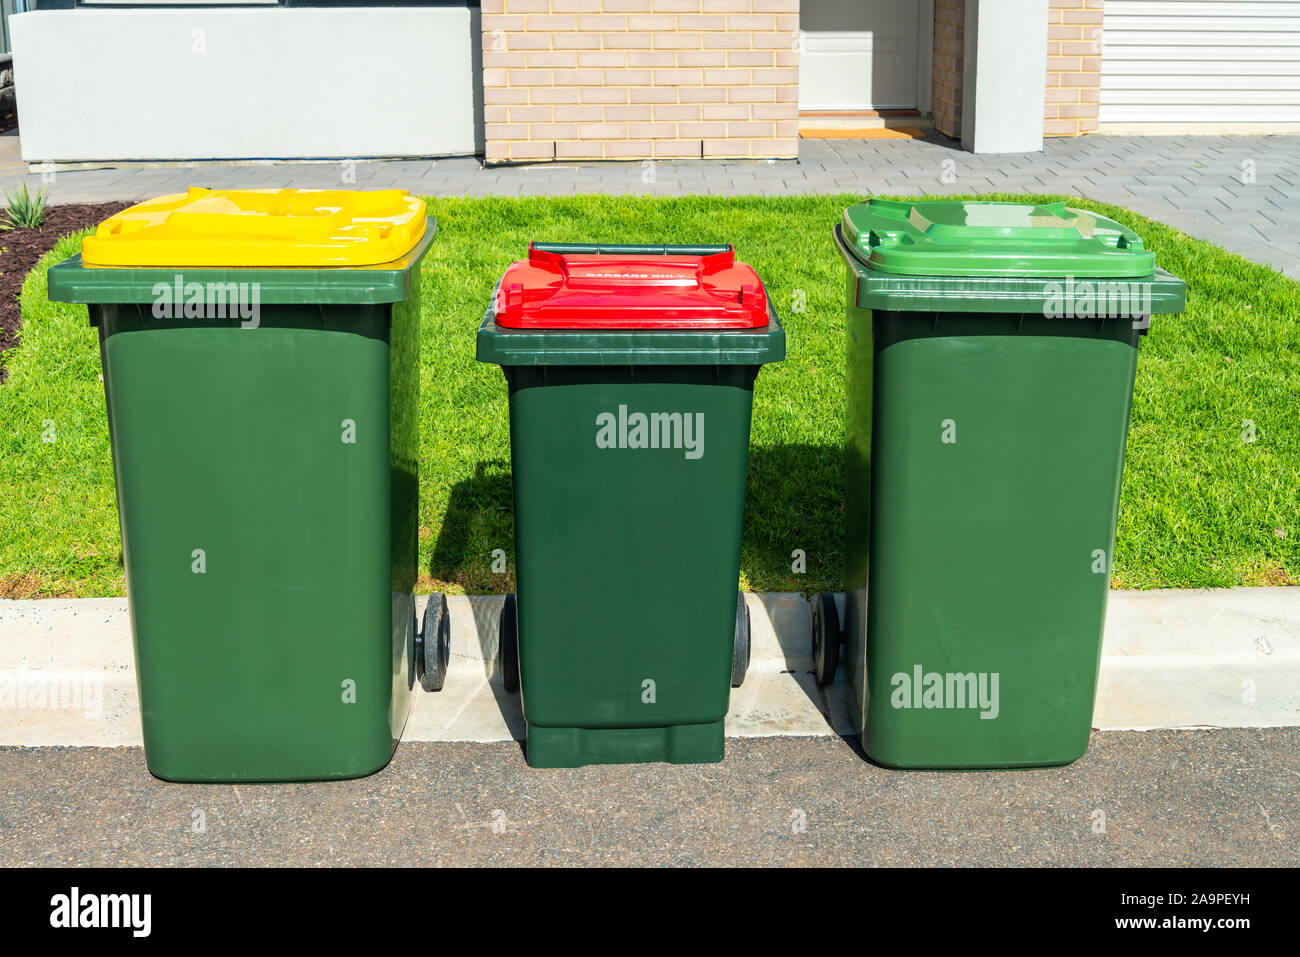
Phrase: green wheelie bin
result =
(991, 353)
(630, 372)
(260, 354)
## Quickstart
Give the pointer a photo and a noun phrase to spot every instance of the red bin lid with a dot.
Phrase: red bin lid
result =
(616, 290)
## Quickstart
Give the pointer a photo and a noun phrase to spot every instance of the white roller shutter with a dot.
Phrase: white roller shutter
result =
(1200, 61)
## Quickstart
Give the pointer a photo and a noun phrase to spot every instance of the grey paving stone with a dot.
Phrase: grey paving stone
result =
(1191, 182)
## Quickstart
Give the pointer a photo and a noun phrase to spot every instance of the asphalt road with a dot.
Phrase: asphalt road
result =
(1224, 797)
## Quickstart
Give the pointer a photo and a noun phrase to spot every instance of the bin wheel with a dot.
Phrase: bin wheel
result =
(508, 638)
(433, 644)
(826, 637)
(740, 643)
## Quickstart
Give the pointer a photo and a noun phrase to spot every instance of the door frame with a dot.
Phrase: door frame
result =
(925, 57)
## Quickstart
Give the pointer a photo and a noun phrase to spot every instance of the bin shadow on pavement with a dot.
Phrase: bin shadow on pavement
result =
(473, 705)
(794, 502)
(479, 519)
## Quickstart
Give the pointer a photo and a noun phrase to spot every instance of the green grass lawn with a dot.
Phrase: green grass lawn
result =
(1200, 507)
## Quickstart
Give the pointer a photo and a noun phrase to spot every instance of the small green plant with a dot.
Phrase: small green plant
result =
(23, 209)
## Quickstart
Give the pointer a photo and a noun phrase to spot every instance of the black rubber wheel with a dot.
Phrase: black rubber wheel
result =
(826, 637)
(740, 643)
(508, 637)
(433, 644)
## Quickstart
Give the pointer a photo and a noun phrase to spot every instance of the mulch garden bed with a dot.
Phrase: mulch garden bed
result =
(21, 249)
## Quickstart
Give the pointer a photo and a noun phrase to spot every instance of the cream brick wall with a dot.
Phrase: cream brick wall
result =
(640, 79)
(949, 62)
(1073, 67)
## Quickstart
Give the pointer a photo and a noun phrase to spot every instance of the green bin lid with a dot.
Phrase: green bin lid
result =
(963, 238)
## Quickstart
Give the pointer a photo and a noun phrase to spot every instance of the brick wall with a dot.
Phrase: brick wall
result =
(949, 61)
(1073, 67)
(637, 79)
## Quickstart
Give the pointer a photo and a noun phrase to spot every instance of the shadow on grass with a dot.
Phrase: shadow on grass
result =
(479, 519)
(794, 500)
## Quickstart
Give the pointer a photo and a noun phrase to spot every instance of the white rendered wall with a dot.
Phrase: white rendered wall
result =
(1005, 73)
(251, 83)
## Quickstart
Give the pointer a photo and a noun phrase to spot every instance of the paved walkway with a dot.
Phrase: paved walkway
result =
(1242, 192)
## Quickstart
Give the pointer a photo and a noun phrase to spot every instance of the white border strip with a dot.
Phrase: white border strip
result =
(1171, 659)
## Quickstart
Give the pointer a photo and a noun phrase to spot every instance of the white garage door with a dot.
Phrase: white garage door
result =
(1200, 61)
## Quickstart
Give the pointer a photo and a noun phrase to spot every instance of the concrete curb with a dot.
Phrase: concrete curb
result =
(1170, 659)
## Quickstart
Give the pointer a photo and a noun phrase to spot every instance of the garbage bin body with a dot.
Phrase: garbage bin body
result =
(986, 429)
(266, 470)
(629, 450)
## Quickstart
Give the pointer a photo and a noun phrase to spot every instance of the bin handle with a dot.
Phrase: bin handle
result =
(634, 249)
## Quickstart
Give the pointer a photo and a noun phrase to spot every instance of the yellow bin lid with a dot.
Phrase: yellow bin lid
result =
(260, 227)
